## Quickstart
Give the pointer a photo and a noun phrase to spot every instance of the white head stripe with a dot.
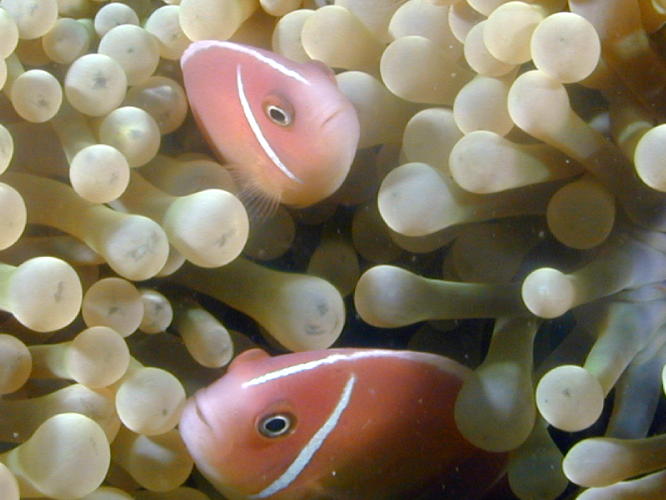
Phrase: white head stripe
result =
(422, 357)
(256, 129)
(203, 45)
(311, 447)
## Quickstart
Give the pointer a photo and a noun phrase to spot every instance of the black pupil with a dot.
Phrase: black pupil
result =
(275, 425)
(277, 115)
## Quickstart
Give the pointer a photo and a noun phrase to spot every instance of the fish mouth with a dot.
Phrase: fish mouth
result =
(199, 412)
(331, 116)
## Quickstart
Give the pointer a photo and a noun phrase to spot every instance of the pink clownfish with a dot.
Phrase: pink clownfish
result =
(284, 128)
(336, 424)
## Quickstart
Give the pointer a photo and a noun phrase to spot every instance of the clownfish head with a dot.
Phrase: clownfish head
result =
(253, 433)
(284, 127)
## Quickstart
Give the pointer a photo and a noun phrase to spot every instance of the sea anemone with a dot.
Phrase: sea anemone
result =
(506, 207)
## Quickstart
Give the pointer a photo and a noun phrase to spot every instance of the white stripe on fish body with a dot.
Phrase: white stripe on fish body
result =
(256, 129)
(195, 47)
(423, 357)
(316, 441)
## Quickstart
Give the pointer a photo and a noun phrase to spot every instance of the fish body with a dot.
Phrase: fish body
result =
(284, 127)
(339, 424)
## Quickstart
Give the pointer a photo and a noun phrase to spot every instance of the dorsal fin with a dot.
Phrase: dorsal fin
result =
(245, 358)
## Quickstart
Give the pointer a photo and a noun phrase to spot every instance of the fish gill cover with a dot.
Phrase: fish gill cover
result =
(505, 207)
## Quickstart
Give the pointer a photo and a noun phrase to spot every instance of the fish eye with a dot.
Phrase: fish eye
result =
(278, 115)
(275, 425)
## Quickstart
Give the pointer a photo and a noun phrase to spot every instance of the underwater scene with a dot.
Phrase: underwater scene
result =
(333, 250)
